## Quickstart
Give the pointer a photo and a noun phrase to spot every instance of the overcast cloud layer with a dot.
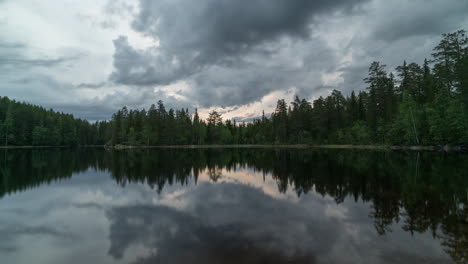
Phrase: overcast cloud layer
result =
(92, 57)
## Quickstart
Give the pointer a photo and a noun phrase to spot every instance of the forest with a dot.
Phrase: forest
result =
(413, 104)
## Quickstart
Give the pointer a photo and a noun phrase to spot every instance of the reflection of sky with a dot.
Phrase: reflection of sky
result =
(242, 218)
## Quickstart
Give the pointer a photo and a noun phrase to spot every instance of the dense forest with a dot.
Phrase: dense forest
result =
(414, 104)
(24, 124)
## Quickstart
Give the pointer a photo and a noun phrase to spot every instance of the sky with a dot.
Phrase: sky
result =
(92, 57)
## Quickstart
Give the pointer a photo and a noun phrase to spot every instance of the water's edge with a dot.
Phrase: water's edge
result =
(437, 148)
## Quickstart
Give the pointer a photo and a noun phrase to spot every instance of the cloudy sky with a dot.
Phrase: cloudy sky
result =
(91, 57)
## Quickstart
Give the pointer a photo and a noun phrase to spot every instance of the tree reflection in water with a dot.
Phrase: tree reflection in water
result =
(421, 191)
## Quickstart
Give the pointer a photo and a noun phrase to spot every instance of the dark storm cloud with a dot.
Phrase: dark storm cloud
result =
(211, 43)
(249, 81)
(224, 49)
(142, 67)
(234, 86)
(219, 28)
(420, 18)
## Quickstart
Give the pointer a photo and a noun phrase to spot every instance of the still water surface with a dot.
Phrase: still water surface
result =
(232, 206)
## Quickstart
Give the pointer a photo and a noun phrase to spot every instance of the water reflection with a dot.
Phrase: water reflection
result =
(323, 203)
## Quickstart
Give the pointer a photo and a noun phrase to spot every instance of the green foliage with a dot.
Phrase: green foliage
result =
(448, 122)
(40, 136)
(406, 127)
(360, 133)
(25, 124)
(422, 105)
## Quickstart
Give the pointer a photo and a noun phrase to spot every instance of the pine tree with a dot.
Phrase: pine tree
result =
(8, 123)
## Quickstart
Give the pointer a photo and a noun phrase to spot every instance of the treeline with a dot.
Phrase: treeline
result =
(418, 104)
(23, 124)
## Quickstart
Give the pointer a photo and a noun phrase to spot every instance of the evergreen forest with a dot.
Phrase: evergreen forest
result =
(413, 104)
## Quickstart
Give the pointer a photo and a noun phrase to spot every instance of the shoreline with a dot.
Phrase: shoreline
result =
(50, 147)
(429, 148)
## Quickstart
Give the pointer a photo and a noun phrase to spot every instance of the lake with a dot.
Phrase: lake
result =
(90, 205)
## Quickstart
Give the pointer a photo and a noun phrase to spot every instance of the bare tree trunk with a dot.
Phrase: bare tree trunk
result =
(414, 126)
